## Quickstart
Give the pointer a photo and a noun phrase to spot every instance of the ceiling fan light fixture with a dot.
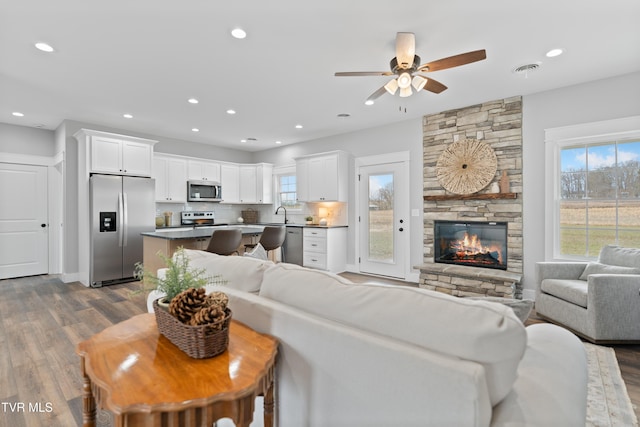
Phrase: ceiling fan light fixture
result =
(419, 82)
(404, 80)
(405, 91)
(392, 86)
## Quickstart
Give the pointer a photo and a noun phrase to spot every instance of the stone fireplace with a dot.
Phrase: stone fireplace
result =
(460, 270)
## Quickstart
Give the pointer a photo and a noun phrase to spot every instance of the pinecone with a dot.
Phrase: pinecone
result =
(218, 298)
(184, 305)
(208, 315)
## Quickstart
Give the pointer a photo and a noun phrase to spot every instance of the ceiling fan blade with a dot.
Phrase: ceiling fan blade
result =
(454, 61)
(377, 94)
(433, 85)
(405, 49)
(363, 73)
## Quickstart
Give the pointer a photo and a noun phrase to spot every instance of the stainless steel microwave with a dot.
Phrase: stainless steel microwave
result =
(204, 191)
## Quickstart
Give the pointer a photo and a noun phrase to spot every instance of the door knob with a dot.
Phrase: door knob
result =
(402, 221)
(400, 229)
(43, 225)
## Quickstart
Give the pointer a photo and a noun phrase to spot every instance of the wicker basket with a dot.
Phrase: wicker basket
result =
(199, 342)
(250, 216)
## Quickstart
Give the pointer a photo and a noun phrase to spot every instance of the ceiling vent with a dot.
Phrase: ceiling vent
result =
(526, 69)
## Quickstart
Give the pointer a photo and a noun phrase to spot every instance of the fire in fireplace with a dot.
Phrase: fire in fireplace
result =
(476, 244)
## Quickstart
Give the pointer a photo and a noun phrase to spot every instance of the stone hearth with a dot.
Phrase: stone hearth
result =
(464, 281)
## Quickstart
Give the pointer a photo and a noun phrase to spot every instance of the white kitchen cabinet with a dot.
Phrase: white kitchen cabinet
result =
(256, 183)
(170, 174)
(302, 179)
(204, 171)
(324, 177)
(248, 184)
(115, 154)
(325, 248)
(230, 182)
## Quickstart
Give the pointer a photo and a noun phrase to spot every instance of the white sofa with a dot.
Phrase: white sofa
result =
(370, 355)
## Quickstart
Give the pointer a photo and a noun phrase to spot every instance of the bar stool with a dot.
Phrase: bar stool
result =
(270, 239)
(225, 242)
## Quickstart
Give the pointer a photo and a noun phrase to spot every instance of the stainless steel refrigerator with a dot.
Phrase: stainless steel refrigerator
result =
(122, 207)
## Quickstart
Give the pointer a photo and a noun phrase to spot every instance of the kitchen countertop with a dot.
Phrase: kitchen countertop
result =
(303, 225)
(207, 230)
(177, 233)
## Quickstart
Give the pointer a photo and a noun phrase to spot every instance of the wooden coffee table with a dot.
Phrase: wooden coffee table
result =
(144, 380)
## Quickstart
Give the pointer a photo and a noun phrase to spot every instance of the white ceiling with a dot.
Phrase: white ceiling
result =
(147, 57)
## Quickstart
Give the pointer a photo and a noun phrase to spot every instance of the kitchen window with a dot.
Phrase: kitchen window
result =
(595, 191)
(285, 183)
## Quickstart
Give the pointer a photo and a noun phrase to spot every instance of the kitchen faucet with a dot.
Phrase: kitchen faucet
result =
(285, 213)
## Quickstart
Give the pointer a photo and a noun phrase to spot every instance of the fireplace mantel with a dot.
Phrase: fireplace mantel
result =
(483, 196)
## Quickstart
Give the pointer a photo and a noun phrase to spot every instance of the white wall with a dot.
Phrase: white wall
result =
(25, 140)
(590, 102)
(403, 136)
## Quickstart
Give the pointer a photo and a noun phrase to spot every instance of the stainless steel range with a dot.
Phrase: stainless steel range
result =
(198, 219)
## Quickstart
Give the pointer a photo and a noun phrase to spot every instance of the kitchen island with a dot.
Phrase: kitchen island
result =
(166, 241)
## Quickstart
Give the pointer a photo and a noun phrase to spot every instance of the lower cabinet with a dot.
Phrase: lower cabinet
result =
(325, 248)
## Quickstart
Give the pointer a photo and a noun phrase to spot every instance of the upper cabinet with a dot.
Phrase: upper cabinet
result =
(256, 183)
(230, 182)
(204, 171)
(170, 174)
(247, 183)
(323, 177)
(117, 154)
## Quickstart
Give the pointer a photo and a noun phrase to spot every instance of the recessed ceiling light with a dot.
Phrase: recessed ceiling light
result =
(343, 115)
(298, 126)
(278, 142)
(18, 114)
(238, 33)
(195, 130)
(243, 140)
(231, 111)
(44, 47)
(555, 52)
(193, 101)
(369, 102)
(127, 116)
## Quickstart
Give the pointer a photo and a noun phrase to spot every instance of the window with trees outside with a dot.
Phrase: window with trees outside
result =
(599, 197)
(286, 190)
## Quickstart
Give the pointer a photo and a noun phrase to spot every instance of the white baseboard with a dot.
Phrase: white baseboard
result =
(69, 277)
(528, 294)
(414, 277)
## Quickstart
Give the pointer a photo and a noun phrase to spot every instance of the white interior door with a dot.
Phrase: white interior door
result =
(23, 220)
(383, 219)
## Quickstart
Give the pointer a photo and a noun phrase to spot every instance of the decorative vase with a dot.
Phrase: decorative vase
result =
(504, 183)
(495, 187)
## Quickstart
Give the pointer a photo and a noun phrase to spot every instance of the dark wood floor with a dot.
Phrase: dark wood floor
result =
(42, 320)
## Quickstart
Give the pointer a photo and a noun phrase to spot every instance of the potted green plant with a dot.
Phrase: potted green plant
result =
(309, 219)
(177, 277)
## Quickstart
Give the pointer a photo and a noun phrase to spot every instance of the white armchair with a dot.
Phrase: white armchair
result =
(599, 301)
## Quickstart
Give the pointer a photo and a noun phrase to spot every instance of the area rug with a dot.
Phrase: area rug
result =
(608, 402)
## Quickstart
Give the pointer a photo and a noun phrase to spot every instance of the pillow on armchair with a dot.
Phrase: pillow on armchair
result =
(599, 268)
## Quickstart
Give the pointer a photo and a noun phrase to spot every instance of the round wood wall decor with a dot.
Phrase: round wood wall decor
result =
(466, 166)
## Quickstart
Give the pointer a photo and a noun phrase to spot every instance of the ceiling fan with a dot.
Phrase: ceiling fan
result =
(405, 67)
